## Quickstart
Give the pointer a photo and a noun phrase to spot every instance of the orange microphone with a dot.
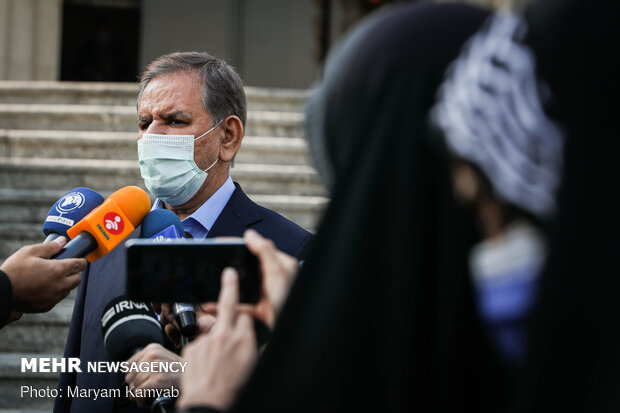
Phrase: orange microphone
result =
(106, 226)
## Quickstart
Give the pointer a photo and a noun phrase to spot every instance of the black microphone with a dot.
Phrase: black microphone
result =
(162, 225)
(185, 315)
(127, 328)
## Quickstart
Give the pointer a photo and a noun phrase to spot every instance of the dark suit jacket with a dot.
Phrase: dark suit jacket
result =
(105, 279)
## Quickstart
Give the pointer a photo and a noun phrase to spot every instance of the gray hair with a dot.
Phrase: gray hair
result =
(222, 88)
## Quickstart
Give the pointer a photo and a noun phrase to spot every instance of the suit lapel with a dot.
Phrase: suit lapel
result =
(238, 214)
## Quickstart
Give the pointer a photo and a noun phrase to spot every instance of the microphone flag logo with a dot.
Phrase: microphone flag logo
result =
(71, 201)
(113, 223)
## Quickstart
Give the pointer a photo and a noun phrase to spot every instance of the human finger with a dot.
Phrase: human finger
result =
(173, 334)
(229, 297)
(167, 315)
(259, 245)
(66, 266)
(205, 322)
(47, 249)
(72, 281)
(209, 308)
(245, 323)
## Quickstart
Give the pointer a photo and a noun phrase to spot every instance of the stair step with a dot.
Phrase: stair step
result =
(110, 175)
(123, 119)
(34, 335)
(276, 99)
(273, 150)
(17, 234)
(110, 93)
(32, 205)
(27, 205)
(39, 333)
(72, 93)
(68, 117)
(64, 174)
(13, 379)
(28, 143)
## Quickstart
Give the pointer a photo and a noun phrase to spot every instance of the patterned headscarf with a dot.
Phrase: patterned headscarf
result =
(490, 109)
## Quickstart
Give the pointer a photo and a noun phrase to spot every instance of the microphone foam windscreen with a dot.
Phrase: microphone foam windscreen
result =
(157, 220)
(129, 326)
(134, 202)
(69, 209)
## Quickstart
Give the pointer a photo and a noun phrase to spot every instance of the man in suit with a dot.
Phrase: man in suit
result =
(191, 119)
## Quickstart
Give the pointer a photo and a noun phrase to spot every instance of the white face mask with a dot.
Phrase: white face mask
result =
(168, 168)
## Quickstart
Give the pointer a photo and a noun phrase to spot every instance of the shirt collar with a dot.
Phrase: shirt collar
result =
(201, 221)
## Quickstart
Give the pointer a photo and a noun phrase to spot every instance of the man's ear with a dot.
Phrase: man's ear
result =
(231, 140)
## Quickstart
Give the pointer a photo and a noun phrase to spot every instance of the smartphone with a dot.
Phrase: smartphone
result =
(189, 270)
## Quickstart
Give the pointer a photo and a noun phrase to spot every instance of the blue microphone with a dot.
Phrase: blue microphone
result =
(162, 225)
(69, 209)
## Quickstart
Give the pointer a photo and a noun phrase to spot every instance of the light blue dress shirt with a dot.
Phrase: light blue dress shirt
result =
(201, 221)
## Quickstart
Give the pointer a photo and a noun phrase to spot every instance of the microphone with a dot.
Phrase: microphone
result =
(162, 225)
(127, 328)
(69, 209)
(106, 226)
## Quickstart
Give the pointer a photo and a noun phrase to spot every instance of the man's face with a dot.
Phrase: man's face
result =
(171, 105)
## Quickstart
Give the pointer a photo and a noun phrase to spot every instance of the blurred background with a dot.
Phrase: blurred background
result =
(272, 43)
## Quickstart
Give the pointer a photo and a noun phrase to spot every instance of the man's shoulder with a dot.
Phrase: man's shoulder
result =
(274, 220)
(287, 235)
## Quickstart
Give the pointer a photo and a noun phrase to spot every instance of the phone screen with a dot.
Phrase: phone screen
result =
(189, 270)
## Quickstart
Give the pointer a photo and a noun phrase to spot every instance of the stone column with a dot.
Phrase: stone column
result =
(30, 36)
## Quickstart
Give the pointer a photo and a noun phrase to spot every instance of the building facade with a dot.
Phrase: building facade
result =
(272, 43)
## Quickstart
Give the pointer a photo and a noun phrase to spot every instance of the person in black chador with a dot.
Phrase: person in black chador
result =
(381, 313)
(569, 359)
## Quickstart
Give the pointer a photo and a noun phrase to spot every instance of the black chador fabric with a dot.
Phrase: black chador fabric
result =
(574, 360)
(381, 315)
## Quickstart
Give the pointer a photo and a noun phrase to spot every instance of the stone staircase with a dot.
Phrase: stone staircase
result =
(55, 136)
